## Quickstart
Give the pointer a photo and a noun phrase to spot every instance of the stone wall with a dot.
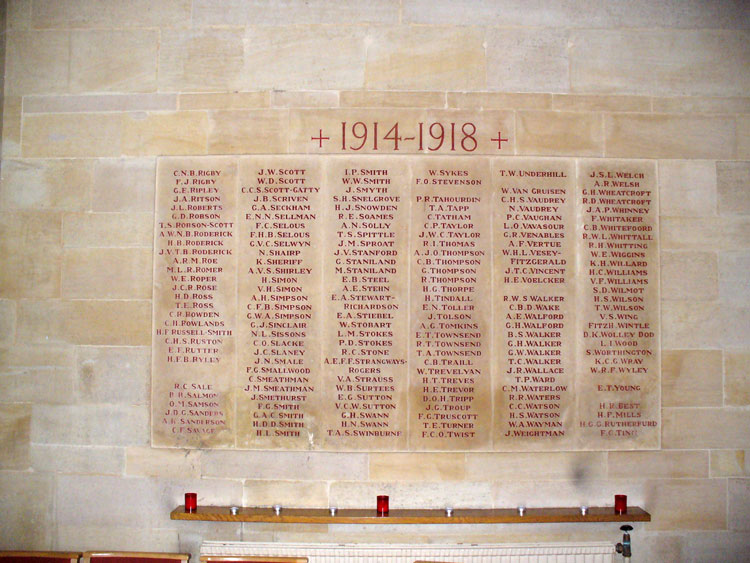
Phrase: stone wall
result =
(95, 91)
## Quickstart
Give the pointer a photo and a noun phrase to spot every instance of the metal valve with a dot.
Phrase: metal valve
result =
(624, 547)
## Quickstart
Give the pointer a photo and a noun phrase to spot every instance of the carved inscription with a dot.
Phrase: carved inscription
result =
(194, 302)
(393, 303)
(535, 259)
(451, 257)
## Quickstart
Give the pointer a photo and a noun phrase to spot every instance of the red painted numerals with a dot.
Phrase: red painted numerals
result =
(431, 137)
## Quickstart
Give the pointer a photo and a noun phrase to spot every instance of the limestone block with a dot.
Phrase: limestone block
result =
(118, 61)
(11, 126)
(310, 99)
(77, 459)
(727, 547)
(737, 377)
(686, 428)
(417, 467)
(660, 62)
(637, 135)
(689, 275)
(99, 102)
(695, 104)
(38, 384)
(525, 60)
(568, 492)
(248, 131)
(106, 273)
(170, 463)
(687, 324)
(102, 230)
(559, 133)
(61, 184)
(124, 185)
(7, 320)
(426, 58)
(18, 14)
(15, 435)
(305, 58)
(714, 234)
(294, 12)
(72, 134)
(730, 463)
(687, 504)
(119, 538)
(284, 465)
(658, 464)
(110, 13)
(110, 501)
(181, 132)
(36, 62)
(115, 323)
(582, 102)
(734, 269)
(691, 378)
(27, 500)
(20, 355)
(202, 60)
(659, 546)
(739, 505)
(578, 14)
(498, 100)
(687, 188)
(299, 494)
(575, 466)
(95, 425)
(487, 12)
(101, 372)
(733, 187)
(410, 494)
(368, 98)
(30, 247)
(743, 136)
(227, 101)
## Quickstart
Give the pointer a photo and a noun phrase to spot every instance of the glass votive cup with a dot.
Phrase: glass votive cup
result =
(191, 502)
(382, 505)
(621, 504)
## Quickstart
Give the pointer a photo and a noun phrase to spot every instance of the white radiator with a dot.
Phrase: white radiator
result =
(589, 552)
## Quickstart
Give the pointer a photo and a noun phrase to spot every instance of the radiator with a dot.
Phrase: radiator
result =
(589, 552)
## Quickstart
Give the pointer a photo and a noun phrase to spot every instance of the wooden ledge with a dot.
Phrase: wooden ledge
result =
(411, 516)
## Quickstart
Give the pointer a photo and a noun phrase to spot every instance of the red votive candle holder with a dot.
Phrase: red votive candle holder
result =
(382, 505)
(621, 504)
(191, 502)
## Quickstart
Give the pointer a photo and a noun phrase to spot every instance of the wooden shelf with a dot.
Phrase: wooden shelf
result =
(411, 516)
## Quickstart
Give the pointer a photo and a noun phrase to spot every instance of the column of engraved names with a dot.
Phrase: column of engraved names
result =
(534, 265)
(279, 283)
(450, 322)
(193, 300)
(619, 324)
(365, 300)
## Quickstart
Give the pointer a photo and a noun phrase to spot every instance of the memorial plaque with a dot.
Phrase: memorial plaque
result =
(535, 304)
(195, 314)
(442, 299)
